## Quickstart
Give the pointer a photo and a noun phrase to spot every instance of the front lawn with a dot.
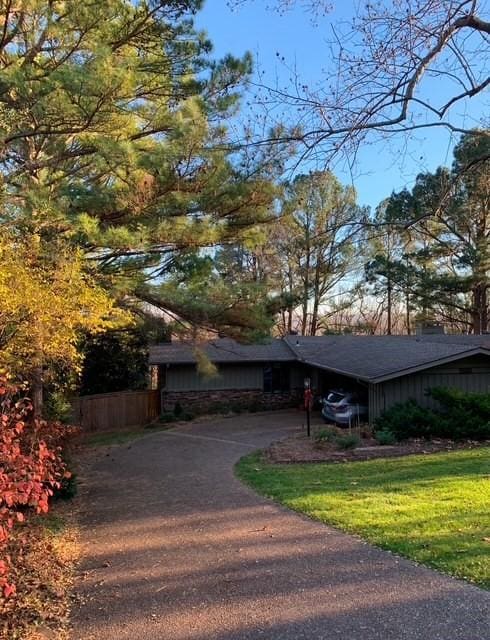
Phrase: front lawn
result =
(434, 509)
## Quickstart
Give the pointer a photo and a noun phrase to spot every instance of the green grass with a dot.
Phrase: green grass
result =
(109, 438)
(434, 509)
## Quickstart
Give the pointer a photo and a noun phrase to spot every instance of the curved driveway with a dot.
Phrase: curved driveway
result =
(177, 549)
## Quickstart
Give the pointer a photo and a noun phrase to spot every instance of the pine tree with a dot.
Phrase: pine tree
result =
(449, 214)
(114, 146)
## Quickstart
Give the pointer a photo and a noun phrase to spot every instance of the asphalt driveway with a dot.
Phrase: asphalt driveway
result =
(176, 548)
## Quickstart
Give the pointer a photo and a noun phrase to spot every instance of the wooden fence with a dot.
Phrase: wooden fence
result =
(111, 411)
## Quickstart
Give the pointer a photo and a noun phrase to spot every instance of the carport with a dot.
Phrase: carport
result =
(394, 369)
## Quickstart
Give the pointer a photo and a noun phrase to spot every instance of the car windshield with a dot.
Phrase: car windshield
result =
(335, 397)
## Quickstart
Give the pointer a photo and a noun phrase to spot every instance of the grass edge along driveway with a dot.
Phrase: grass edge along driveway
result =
(434, 509)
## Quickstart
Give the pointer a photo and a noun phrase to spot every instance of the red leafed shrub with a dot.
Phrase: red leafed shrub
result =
(31, 467)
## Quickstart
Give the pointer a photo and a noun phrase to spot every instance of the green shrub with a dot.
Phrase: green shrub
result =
(461, 416)
(255, 406)
(68, 488)
(478, 403)
(168, 416)
(385, 437)
(217, 407)
(349, 441)
(57, 407)
(407, 420)
(325, 435)
(366, 431)
(178, 409)
(171, 416)
(225, 408)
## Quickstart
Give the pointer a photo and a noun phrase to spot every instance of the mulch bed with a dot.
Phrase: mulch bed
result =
(300, 449)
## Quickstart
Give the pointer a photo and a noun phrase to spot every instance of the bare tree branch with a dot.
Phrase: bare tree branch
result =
(388, 66)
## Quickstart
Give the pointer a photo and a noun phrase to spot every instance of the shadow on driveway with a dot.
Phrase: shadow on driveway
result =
(176, 548)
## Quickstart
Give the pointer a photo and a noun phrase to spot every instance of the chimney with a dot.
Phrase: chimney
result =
(430, 329)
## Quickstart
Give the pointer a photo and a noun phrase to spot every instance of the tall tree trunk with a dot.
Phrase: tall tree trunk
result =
(407, 311)
(316, 299)
(290, 307)
(484, 316)
(389, 290)
(306, 294)
(407, 296)
(37, 383)
(479, 314)
(37, 391)
(314, 319)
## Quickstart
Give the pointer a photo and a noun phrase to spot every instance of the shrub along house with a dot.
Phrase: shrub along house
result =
(386, 369)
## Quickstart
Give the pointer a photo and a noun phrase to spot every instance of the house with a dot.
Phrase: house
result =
(248, 374)
(388, 369)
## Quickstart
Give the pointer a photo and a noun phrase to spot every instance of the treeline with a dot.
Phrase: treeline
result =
(422, 256)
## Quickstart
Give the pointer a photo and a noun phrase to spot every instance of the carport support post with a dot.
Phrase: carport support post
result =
(308, 405)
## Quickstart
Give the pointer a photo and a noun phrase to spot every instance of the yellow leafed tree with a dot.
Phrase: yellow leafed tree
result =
(46, 306)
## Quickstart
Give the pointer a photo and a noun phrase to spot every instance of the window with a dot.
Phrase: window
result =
(276, 378)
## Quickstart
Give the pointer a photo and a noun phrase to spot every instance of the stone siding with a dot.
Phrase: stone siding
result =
(245, 399)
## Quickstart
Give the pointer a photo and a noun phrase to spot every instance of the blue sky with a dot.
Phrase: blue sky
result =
(380, 168)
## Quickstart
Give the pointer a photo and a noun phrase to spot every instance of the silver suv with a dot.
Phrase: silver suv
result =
(344, 407)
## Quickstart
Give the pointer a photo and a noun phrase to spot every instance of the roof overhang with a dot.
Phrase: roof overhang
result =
(342, 372)
(296, 356)
(180, 363)
(400, 372)
(433, 363)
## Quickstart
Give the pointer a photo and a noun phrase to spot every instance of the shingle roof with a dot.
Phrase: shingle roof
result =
(222, 350)
(371, 358)
(378, 357)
